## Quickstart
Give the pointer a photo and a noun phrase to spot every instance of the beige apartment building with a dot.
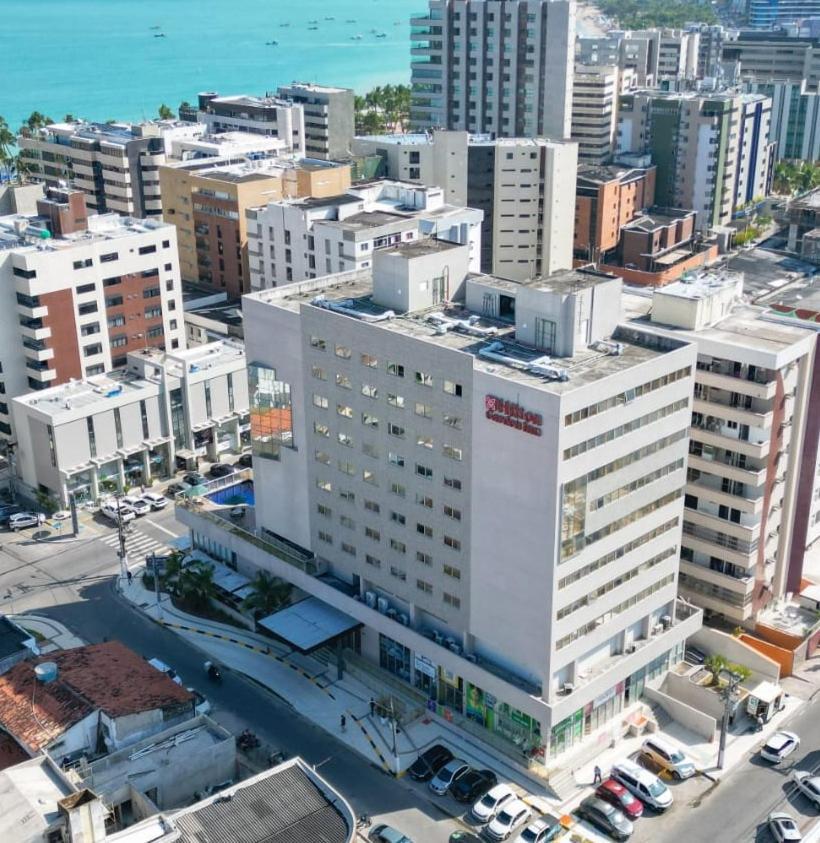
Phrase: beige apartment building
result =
(595, 95)
(206, 200)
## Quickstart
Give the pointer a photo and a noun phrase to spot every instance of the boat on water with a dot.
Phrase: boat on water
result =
(313, 27)
(381, 35)
(330, 18)
(356, 37)
(159, 35)
(271, 43)
(351, 20)
(154, 27)
(285, 24)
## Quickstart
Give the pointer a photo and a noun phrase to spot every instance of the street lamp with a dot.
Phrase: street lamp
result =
(729, 694)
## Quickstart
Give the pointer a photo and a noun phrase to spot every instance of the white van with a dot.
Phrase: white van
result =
(643, 784)
(664, 753)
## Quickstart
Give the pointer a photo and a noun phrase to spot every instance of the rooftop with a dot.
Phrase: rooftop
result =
(252, 101)
(316, 88)
(603, 173)
(29, 793)
(107, 677)
(811, 201)
(13, 639)
(254, 169)
(767, 272)
(789, 618)
(657, 218)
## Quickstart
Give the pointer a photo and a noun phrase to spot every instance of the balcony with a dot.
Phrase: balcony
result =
(34, 329)
(763, 389)
(43, 375)
(749, 476)
(734, 414)
(749, 535)
(740, 585)
(752, 506)
(713, 435)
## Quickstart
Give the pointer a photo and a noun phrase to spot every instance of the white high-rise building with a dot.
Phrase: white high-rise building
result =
(482, 480)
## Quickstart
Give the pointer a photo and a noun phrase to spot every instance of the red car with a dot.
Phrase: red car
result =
(616, 794)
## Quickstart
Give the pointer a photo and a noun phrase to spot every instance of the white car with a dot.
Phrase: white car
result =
(155, 500)
(543, 830)
(140, 506)
(23, 519)
(644, 785)
(492, 802)
(166, 669)
(447, 775)
(808, 784)
(783, 828)
(779, 746)
(113, 511)
(201, 703)
(507, 820)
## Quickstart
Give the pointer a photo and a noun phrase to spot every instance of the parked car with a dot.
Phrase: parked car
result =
(492, 802)
(221, 469)
(605, 817)
(429, 762)
(442, 780)
(472, 784)
(155, 500)
(693, 655)
(23, 519)
(246, 461)
(464, 837)
(779, 746)
(508, 819)
(643, 784)
(616, 794)
(201, 703)
(783, 828)
(173, 489)
(140, 506)
(808, 784)
(115, 511)
(193, 478)
(7, 511)
(543, 830)
(388, 834)
(669, 757)
(166, 669)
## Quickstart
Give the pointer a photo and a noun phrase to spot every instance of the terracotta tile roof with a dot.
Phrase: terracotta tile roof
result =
(107, 677)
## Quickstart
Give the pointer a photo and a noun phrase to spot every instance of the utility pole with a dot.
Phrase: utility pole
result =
(393, 729)
(728, 693)
(8, 450)
(123, 553)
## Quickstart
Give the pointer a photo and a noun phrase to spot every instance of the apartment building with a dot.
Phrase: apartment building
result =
(328, 118)
(206, 201)
(127, 428)
(524, 187)
(498, 66)
(607, 198)
(765, 14)
(442, 452)
(711, 38)
(775, 57)
(272, 116)
(295, 240)
(678, 53)
(115, 165)
(711, 151)
(80, 293)
(795, 120)
(638, 51)
(595, 96)
(745, 441)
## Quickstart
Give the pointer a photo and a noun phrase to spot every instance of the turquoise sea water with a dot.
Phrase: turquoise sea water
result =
(99, 59)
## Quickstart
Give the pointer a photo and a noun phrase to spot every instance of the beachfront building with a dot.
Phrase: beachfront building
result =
(596, 92)
(80, 292)
(524, 186)
(437, 452)
(115, 165)
(497, 66)
(295, 240)
(123, 429)
(206, 200)
(751, 399)
(328, 118)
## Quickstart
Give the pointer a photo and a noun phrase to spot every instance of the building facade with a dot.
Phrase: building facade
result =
(509, 455)
(595, 96)
(499, 66)
(712, 152)
(206, 201)
(328, 118)
(795, 120)
(127, 428)
(774, 57)
(301, 239)
(81, 292)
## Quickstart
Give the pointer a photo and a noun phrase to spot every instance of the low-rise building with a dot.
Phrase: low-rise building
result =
(295, 240)
(803, 216)
(128, 427)
(16, 644)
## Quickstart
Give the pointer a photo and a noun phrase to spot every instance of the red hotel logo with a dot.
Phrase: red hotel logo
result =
(513, 415)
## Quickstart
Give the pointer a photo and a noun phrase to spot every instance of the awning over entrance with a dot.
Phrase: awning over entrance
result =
(309, 624)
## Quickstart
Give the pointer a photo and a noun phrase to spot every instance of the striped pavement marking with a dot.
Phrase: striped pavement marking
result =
(136, 543)
(266, 651)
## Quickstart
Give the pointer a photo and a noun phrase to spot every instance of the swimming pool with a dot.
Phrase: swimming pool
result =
(240, 493)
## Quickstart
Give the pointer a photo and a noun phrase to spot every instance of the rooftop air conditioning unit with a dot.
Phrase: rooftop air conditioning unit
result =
(438, 637)
(568, 687)
(370, 599)
(383, 605)
(472, 657)
(403, 619)
(391, 613)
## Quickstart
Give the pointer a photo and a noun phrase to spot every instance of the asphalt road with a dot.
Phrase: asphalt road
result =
(74, 584)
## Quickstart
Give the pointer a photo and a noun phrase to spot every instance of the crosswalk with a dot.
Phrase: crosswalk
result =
(138, 544)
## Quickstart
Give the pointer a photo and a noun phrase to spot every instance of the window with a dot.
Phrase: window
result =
(455, 544)
(111, 256)
(347, 467)
(319, 373)
(395, 369)
(398, 573)
(395, 430)
(370, 391)
(347, 495)
(398, 490)
(398, 546)
(322, 457)
(151, 292)
(344, 410)
(86, 288)
(398, 518)
(325, 537)
(91, 350)
(369, 420)
(118, 426)
(112, 282)
(343, 351)
(344, 439)
(424, 530)
(147, 250)
(450, 571)
(373, 535)
(319, 401)
(395, 459)
(153, 312)
(452, 483)
(369, 360)
(423, 410)
(318, 343)
(452, 512)
(370, 450)
(372, 506)
(83, 263)
(90, 329)
(116, 321)
(271, 411)
(452, 421)
(395, 400)
(114, 301)
(342, 381)
(347, 521)
(424, 558)
(88, 307)
(370, 477)
(424, 379)
(92, 438)
(424, 471)
(323, 510)
(452, 452)
(321, 429)
(451, 600)
(424, 500)
(324, 485)
(51, 446)
(452, 388)
(372, 560)
(426, 587)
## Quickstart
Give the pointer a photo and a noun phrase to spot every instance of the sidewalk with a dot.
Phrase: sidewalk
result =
(51, 635)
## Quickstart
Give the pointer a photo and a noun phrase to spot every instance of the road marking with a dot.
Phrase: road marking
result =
(164, 529)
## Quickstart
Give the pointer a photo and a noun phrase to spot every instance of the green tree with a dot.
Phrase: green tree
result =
(22, 167)
(195, 586)
(35, 120)
(70, 118)
(173, 569)
(165, 113)
(7, 140)
(269, 594)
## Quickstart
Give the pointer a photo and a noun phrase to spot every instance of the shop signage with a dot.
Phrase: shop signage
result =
(604, 698)
(513, 415)
(425, 666)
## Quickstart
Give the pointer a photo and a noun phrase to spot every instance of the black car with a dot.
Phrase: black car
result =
(246, 461)
(221, 469)
(193, 478)
(472, 784)
(173, 489)
(605, 817)
(429, 763)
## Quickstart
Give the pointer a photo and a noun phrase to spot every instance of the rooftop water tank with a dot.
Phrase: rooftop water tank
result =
(46, 672)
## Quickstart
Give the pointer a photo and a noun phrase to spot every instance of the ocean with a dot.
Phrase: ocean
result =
(100, 59)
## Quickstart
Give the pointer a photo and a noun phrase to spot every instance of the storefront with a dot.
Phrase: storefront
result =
(567, 733)
(394, 657)
(602, 709)
(425, 676)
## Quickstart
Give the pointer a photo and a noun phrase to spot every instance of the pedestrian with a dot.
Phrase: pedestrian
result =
(597, 778)
(130, 576)
(343, 722)
(759, 722)
(372, 706)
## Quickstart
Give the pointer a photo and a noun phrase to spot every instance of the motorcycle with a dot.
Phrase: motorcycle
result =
(247, 740)
(213, 672)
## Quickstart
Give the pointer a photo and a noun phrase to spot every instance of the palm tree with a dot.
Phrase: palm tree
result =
(173, 570)
(269, 595)
(7, 140)
(165, 112)
(196, 586)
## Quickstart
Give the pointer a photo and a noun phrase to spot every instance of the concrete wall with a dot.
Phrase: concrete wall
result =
(702, 700)
(688, 716)
(736, 650)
